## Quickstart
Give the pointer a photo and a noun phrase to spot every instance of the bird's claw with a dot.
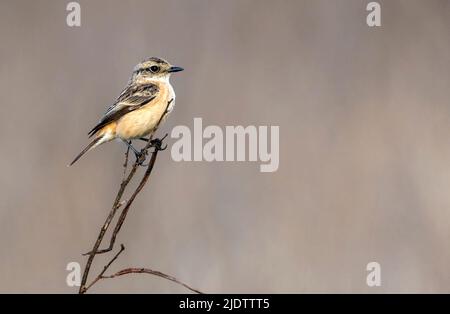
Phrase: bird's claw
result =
(157, 143)
(140, 157)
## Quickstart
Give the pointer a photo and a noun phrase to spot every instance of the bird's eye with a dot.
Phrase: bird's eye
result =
(154, 68)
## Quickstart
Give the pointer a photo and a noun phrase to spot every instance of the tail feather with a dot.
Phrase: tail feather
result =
(86, 149)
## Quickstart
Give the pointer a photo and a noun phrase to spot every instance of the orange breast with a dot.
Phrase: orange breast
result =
(142, 122)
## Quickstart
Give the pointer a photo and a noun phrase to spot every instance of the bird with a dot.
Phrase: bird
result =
(141, 107)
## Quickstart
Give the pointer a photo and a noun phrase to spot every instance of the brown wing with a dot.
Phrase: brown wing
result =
(132, 97)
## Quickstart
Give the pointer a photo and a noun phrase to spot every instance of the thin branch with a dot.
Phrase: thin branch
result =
(111, 215)
(150, 272)
(125, 163)
(125, 210)
(130, 270)
(105, 268)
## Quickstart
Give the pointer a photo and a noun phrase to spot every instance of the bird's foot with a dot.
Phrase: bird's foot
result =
(157, 143)
(140, 157)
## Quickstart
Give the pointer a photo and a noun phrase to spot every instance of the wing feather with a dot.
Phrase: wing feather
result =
(132, 97)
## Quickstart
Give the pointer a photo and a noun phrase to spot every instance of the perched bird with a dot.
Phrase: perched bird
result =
(141, 107)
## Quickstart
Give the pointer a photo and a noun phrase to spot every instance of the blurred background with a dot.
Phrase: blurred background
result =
(364, 118)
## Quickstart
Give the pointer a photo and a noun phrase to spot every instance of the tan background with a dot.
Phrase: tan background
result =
(364, 118)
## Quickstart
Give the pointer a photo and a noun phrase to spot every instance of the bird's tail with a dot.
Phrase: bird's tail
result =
(90, 146)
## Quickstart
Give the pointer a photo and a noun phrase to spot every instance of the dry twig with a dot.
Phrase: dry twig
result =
(150, 272)
(118, 202)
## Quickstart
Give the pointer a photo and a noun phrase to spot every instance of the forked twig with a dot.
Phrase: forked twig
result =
(105, 268)
(118, 202)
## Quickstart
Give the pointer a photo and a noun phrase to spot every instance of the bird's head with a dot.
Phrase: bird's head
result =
(154, 69)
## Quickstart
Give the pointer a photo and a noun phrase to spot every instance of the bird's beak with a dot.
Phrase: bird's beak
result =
(175, 69)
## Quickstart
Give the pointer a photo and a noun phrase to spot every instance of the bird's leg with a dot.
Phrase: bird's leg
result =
(128, 143)
(144, 139)
(157, 143)
(137, 153)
